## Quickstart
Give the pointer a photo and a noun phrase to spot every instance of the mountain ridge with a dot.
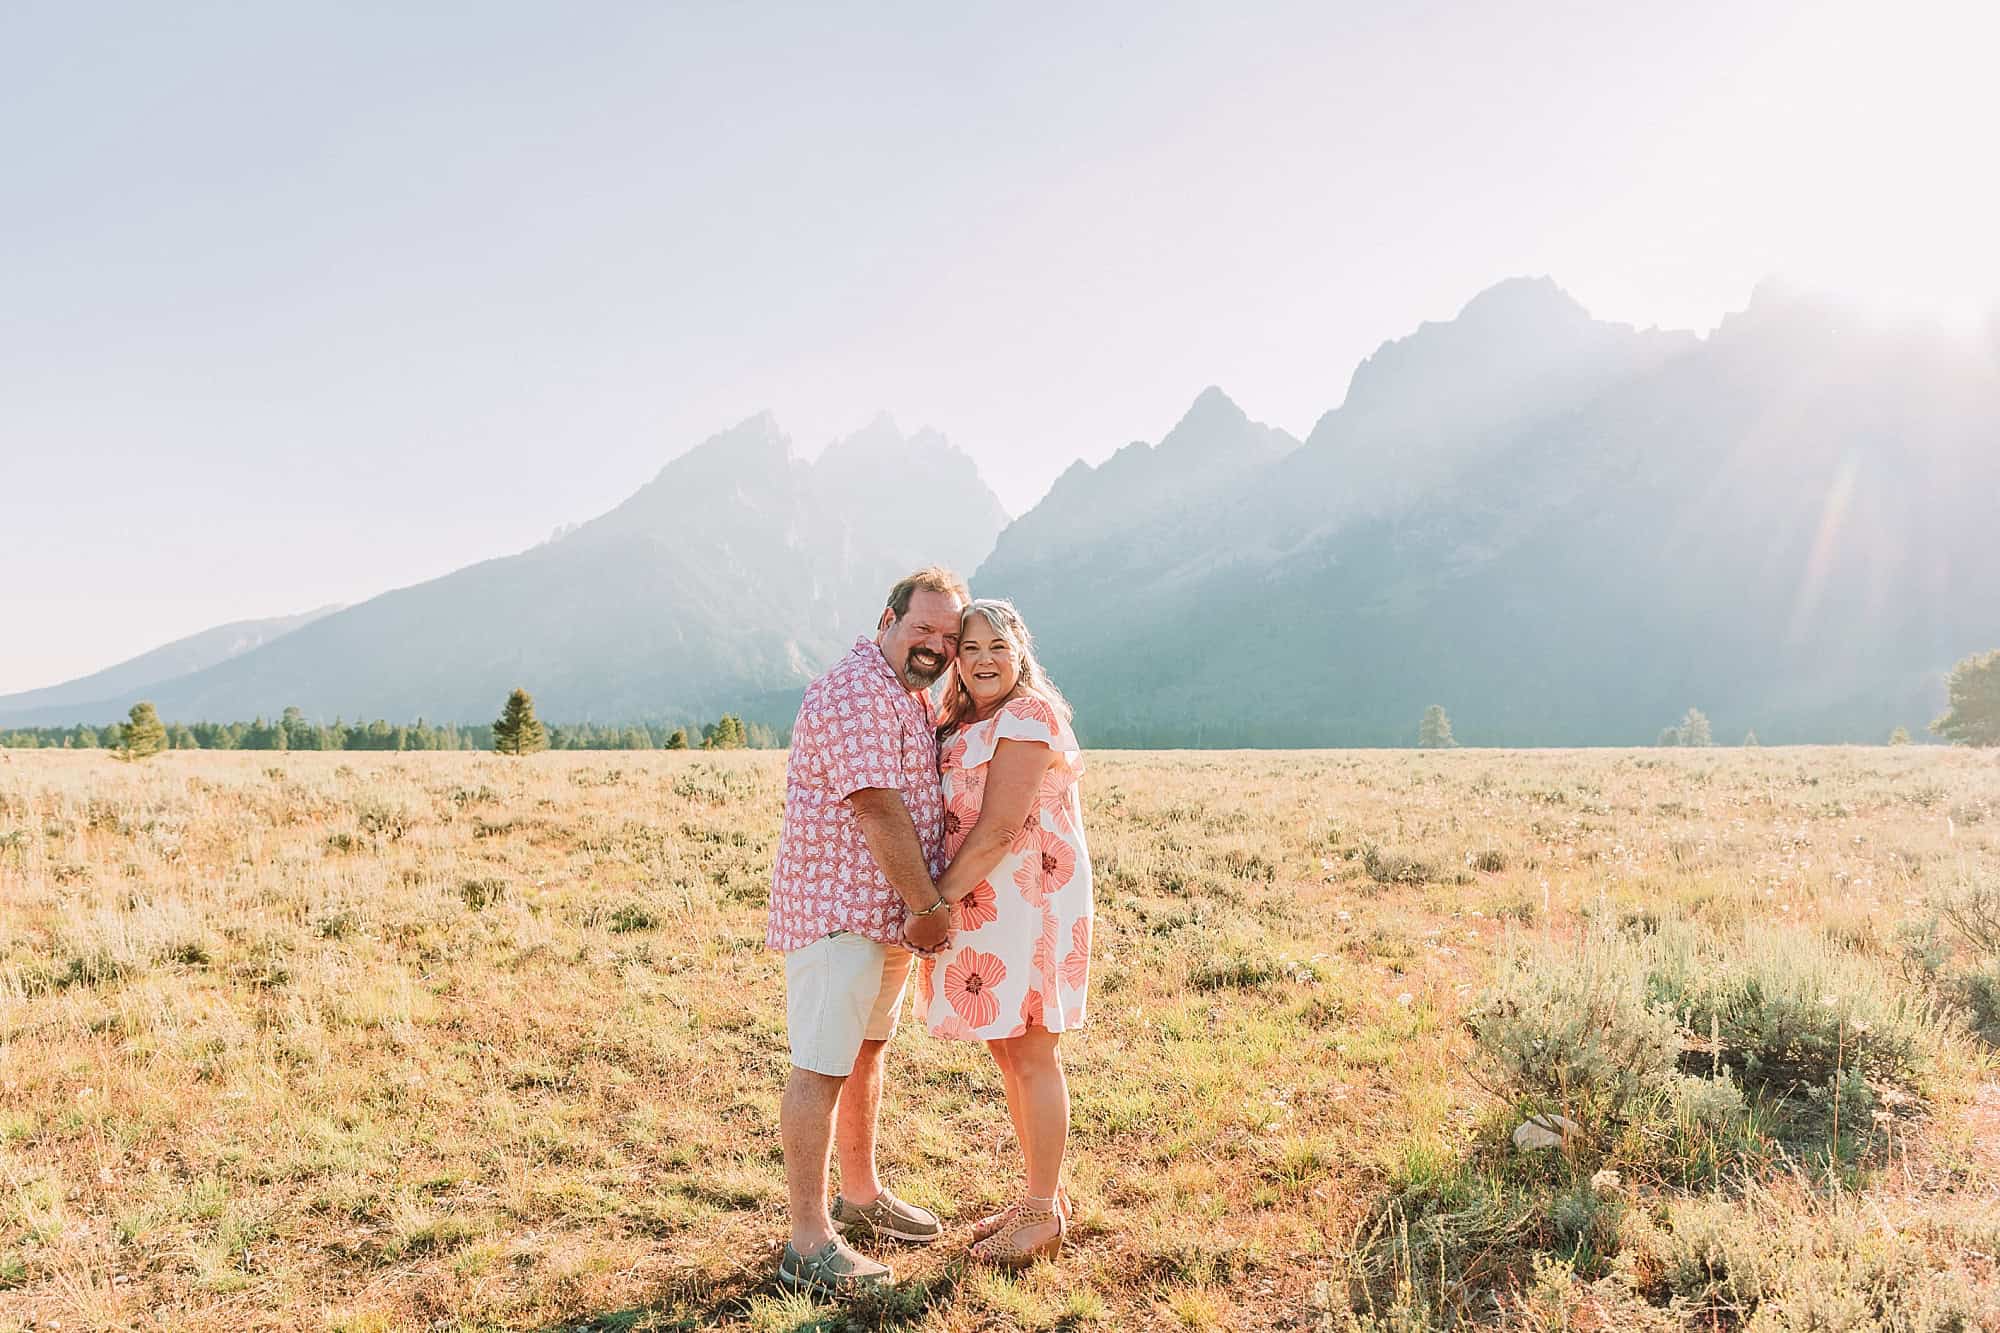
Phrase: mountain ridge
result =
(169, 661)
(1778, 523)
(637, 613)
(1567, 530)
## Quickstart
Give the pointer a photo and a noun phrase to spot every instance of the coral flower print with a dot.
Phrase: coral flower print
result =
(969, 983)
(1031, 709)
(956, 1029)
(1020, 953)
(1076, 963)
(959, 816)
(1043, 959)
(977, 908)
(1047, 862)
(1052, 803)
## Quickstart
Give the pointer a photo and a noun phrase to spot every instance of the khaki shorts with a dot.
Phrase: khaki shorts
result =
(840, 991)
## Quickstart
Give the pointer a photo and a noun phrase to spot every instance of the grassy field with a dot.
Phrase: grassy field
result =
(449, 1041)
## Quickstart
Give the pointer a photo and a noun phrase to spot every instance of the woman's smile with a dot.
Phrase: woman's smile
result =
(986, 664)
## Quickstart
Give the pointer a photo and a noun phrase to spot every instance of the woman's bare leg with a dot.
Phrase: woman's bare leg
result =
(1039, 1100)
(1003, 1056)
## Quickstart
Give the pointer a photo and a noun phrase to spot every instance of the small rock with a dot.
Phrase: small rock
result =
(1545, 1131)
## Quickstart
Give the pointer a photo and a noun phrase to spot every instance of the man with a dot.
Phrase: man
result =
(855, 880)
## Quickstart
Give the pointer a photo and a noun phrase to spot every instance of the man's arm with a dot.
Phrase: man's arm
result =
(892, 840)
(891, 836)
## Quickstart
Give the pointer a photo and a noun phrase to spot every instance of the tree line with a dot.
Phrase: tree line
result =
(1972, 718)
(293, 731)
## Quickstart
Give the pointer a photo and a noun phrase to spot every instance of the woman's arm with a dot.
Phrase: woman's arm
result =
(1013, 777)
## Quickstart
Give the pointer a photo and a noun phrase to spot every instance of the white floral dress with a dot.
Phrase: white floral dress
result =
(1019, 952)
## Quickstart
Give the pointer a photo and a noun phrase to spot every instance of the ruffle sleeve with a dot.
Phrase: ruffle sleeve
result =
(1025, 718)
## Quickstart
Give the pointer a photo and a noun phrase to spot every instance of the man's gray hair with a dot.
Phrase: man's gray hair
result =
(931, 578)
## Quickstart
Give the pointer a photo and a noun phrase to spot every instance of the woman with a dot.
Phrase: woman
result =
(1017, 967)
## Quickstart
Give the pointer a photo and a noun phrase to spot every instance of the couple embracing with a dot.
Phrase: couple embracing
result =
(944, 839)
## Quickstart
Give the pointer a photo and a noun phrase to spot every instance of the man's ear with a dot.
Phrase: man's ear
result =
(888, 619)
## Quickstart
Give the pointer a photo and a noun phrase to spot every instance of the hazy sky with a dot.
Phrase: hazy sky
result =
(303, 302)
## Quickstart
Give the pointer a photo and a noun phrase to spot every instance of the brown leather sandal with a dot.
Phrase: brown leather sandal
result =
(1004, 1248)
(992, 1222)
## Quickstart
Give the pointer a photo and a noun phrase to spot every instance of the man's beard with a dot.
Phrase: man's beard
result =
(922, 669)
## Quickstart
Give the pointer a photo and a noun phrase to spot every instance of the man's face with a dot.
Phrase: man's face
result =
(925, 641)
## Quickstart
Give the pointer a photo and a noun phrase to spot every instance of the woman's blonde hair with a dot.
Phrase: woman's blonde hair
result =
(1007, 623)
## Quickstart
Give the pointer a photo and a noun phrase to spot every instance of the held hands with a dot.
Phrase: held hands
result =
(927, 932)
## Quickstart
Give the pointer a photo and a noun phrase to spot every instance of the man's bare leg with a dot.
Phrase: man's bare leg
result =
(855, 1124)
(805, 1126)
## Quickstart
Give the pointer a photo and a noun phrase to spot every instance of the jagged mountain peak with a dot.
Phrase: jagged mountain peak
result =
(755, 441)
(1523, 301)
(1214, 447)
(883, 441)
(880, 432)
(1212, 418)
(1214, 425)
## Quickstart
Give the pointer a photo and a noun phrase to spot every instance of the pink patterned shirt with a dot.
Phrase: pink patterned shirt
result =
(857, 727)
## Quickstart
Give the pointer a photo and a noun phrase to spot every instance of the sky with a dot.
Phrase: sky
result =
(303, 302)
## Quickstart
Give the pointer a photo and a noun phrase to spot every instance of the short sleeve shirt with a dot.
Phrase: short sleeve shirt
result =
(857, 727)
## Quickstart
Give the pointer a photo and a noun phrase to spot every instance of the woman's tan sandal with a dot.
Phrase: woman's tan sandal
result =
(1005, 1248)
(992, 1222)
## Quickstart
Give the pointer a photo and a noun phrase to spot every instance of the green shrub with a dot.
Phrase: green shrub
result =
(381, 819)
(483, 892)
(631, 917)
(1575, 1031)
(1386, 866)
(1791, 1008)
(1973, 913)
(1696, 1133)
(1790, 1261)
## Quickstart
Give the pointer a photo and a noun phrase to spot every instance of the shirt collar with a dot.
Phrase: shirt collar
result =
(870, 652)
(871, 655)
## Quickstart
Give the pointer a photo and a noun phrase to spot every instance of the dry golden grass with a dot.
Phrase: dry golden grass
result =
(450, 1041)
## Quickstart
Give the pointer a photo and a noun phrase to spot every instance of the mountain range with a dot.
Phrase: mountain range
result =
(1565, 530)
(734, 575)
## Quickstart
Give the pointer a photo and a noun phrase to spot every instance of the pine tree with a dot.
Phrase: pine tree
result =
(518, 731)
(1694, 729)
(1900, 736)
(1434, 732)
(144, 735)
(1750, 739)
(725, 734)
(678, 740)
(1974, 691)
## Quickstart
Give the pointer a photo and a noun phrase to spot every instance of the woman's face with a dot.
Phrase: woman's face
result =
(986, 663)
